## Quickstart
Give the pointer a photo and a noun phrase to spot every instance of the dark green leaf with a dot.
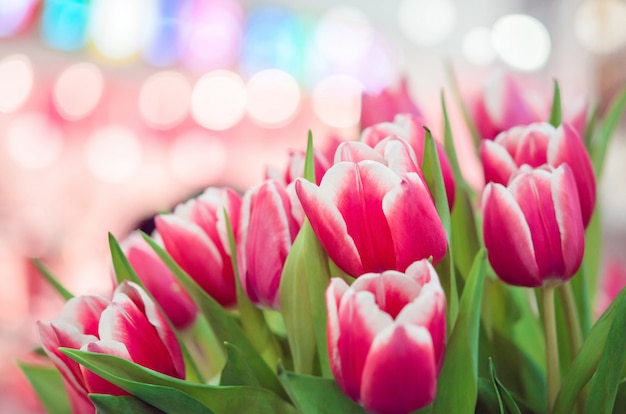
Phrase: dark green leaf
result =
(48, 386)
(460, 366)
(556, 115)
(125, 404)
(608, 377)
(505, 399)
(223, 324)
(175, 395)
(315, 395)
(52, 281)
(237, 371)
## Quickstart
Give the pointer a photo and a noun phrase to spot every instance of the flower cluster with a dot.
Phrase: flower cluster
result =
(365, 277)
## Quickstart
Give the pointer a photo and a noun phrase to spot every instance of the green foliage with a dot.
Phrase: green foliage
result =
(48, 386)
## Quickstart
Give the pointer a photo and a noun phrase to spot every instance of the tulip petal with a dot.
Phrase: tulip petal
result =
(413, 221)
(95, 383)
(392, 290)
(400, 374)
(533, 193)
(336, 289)
(329, 225)
(354, 151)
(568, 147)
(508, 238)
(360, 320)
(569, 218)
(498, 165)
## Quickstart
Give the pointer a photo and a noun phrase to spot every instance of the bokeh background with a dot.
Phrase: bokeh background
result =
(114, 110)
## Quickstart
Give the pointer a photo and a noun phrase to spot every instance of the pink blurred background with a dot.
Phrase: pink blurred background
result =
(111, 111)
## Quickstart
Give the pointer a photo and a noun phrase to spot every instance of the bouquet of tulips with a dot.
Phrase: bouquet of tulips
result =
(368, 277)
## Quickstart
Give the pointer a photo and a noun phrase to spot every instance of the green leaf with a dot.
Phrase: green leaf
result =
(121, 265)
(237, 371)
(505, 399)
(252, 319)
(52, 281)
(608, 377)
(456, 93)
(556, 115)
(315, 395)
(592, 121)
(609, 123)
(448, 144)
(48, 385)
(309, 160)
(457, 385)
(586, 362)
(125, 404)
(222, 323)
(175, 395)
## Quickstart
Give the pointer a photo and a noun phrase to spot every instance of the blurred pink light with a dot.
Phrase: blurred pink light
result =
(337, 100)
(197, 158)
(33, 141)
(218, 100)
(164, 99)
(212, 33)
(273, 97)
(76, 102)
(113, 153)
(16, 82)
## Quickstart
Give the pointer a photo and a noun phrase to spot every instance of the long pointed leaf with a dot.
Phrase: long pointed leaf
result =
(48, 385)
(556, 115)
(52, 281)
(125, 404)
(609, 123)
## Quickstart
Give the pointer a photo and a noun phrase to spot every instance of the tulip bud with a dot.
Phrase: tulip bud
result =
(267, 231)
(539, 144)
(370, 219)
(129, 326)
(386, 337)
(195, 236)
(384, 106)
(533, 228)
(411, 129)
(159, 281)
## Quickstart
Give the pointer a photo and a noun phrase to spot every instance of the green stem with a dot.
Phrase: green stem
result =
(552, 347)
(572, 320)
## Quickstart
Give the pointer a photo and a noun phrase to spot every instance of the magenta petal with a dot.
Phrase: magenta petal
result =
(400, 374)
(95, 383)
(360, 320)
(336, 289)
(569, 218)
(329, 225)
(413, 221)
(568, 147)
(498, 165)
(392, 290)
(532, 147)
(508, 239)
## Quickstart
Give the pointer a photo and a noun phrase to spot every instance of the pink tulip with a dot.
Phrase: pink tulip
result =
(369, 218)
(383, 107)
(129, 326)
(386, 337)
(539, 144)
(533, 229)
(411, 129)
(612, 282)
(196, 238)
(295, 169)
(267, 231)
(160, 282)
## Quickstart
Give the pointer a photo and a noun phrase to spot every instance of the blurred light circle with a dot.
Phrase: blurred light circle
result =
(273, 97)
(600, 26)
(197, 158)
(33, 141)
(337, 100)
(119, 28)
(164, 99)
(427, 22)
(521, 41)
(78, 90)
(344, 35)
(14, 14)
(16, 82)
(477, 46)
(218, 100)
(113, 153)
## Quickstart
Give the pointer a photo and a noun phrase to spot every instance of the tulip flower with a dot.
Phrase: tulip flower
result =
(195, 236)
(159, 281)
(267, 231)
(411, 129)
(386, 337)
(295, 169)
(539, 144)
(384, 106)
(533, 229)
(368, 218)
(129, 326)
